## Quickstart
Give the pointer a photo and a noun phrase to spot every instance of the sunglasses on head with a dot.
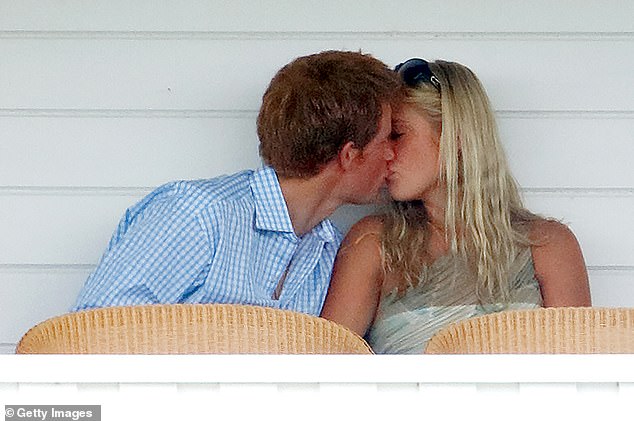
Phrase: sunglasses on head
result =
(416, 71)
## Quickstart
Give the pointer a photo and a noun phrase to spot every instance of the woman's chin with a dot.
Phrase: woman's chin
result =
(397, 195)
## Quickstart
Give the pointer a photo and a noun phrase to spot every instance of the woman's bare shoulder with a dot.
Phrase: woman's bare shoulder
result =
(369, 227)
(559, 264)
(544, 232)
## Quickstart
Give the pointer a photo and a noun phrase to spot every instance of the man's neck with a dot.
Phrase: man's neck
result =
(310, 201)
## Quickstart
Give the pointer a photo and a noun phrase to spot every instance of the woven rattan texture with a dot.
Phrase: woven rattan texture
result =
(190, 329)
(566, 330)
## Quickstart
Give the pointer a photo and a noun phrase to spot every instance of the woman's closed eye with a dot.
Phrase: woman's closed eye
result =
(395, 135)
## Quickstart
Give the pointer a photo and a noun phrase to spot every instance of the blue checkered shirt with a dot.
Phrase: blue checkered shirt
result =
(224, 240)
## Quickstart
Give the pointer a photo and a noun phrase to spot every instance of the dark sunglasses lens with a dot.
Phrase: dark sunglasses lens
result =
(414, 71)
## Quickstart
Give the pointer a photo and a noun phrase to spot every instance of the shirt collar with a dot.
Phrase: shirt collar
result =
(325, 230)
(271, 213)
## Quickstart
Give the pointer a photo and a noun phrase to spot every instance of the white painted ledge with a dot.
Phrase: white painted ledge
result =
(316, 369)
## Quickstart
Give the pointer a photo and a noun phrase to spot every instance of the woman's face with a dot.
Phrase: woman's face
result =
(413, 173)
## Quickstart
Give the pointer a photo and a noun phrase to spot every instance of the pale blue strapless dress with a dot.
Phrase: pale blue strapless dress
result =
(405, 322)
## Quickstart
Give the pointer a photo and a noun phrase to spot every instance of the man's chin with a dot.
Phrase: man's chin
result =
(381, 197)
(375, 199)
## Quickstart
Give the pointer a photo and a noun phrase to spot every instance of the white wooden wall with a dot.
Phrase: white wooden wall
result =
(101, 101)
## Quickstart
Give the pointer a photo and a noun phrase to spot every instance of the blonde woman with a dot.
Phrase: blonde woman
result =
(457, 241)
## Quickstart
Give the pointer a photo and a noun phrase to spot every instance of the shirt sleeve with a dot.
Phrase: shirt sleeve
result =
(159, 253)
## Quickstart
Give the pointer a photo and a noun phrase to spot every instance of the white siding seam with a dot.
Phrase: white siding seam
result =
(80, 267)
(132, 113)
(252, 114)
(610, 268)
(579, 191)
(142, 190)
(37, 267)
(7, 348)
(74, 191)
(566, 114)
(323, 35)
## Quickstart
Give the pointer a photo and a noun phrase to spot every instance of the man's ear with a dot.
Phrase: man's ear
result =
(348, 154)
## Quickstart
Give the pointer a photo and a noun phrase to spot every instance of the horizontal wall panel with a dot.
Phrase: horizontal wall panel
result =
(123, 152)
(612, 288)
(75, 228)
(603, 225)
(31, 296)
(226, 74)
(326, 15)
(570, 152)
(139, 152)
(65, 229)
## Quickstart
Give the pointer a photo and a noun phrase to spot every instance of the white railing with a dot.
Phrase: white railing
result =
(327, 387)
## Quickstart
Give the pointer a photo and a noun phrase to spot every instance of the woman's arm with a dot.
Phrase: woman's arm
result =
(559, 265)
(355, 287)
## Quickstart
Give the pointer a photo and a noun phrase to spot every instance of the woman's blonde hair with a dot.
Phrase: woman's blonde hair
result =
(485, 220)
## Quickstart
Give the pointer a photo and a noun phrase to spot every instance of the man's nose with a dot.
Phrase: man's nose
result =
(390, 154)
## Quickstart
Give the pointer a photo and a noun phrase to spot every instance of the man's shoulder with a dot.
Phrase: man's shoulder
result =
(219, 188)
(211, 191)
(185, 199)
